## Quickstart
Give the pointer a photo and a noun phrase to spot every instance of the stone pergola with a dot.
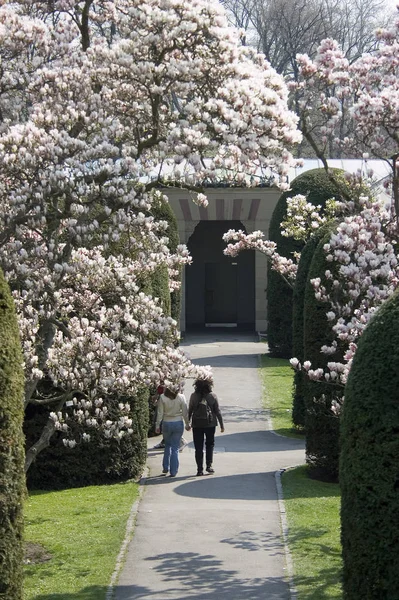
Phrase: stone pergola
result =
(252, 207)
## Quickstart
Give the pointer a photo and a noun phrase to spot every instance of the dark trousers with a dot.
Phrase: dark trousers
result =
(199, 434)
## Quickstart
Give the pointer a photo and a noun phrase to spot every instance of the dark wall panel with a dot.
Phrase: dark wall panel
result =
(219, 288)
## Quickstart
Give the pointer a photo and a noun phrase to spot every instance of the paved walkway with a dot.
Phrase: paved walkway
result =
(219, 536)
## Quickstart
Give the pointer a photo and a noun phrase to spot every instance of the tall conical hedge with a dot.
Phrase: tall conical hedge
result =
(279, 293)
(162, 211)
(321, 424)
(369, 464)
(12, 476)
(298, 405)
(318, 188)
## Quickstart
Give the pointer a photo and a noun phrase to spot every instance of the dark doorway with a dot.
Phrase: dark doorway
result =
(220, 290)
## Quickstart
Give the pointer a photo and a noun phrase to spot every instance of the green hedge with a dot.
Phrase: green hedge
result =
(96, 462)
(321, 424)
(318, 188)
(161, 210)
(279, 293)
(12, 458)
(160, 288)
(298, 406)
(369, 466)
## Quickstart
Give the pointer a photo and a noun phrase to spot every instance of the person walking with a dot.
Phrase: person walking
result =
(172, 411)
(155, 399)
(204, 414)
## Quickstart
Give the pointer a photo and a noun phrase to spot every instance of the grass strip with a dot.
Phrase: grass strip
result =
(312, 509)
(75, 537)
(277, 379)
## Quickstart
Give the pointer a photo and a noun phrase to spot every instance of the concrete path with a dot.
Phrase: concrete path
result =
(219, 536)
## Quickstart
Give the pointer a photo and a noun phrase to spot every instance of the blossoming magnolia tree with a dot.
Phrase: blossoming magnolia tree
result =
(362, 250)
(101, 102)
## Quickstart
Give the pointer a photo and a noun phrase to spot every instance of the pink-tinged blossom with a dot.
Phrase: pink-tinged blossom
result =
(363, 258)
(94, 122)
(254, 241)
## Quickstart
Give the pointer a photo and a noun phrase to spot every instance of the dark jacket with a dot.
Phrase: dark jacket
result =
(212, 400)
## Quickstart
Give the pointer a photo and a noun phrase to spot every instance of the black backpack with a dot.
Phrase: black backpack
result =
(203, 411)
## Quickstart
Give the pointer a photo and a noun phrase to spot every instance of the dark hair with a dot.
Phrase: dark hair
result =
(203, 386)
(170, 394)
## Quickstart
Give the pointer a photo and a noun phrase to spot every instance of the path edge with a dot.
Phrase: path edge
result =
(284, 528)
(130, 524)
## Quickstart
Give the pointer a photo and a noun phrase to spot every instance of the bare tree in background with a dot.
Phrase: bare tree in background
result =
(281, 29)
(240, 13)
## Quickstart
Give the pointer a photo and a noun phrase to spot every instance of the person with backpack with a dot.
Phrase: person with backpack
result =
(172, 411)
(204, 413)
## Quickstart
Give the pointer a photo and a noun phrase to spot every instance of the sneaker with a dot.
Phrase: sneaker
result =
(160, 445)
(210, 469)
(173, 475)
(199, 473)
(164, 471)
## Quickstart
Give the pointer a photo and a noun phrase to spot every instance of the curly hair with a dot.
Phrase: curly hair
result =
(203, 386)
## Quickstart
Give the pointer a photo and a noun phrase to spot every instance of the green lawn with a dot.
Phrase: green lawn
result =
(277, 378)
(312, 507)
(81, 531)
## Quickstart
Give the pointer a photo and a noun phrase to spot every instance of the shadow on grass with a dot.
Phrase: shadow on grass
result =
(93, 592)
(269, 362)
(314, 539)
(290, 433)
(297, 484)
(326, 584)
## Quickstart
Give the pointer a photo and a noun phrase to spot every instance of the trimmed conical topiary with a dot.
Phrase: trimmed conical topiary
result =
(321, 424)
(318, 188)
(162, 211)
(12, 476)
(298, 405)
(369, 465)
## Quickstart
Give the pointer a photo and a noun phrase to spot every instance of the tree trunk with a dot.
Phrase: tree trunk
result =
(44, 440)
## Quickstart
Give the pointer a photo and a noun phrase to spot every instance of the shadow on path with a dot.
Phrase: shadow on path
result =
(229, 361)
(237, 414)
(203, 577)
(256, 441)
(247, 486)
(250, 486)
(213, 336)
